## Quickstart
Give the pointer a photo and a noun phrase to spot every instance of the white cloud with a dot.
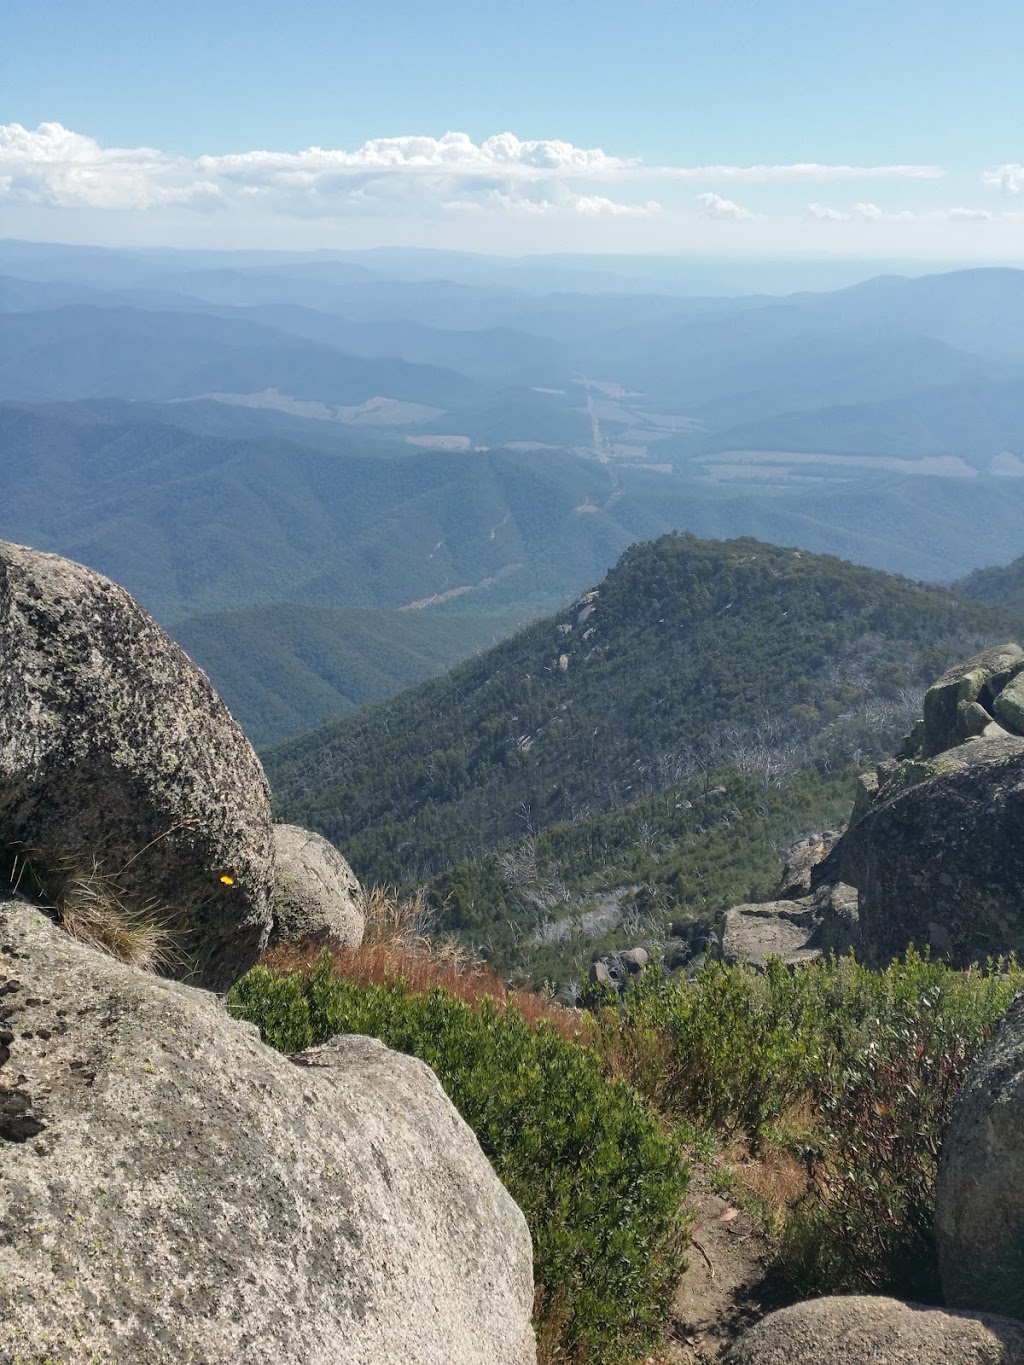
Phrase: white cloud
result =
(966, 215)
(53, 166)
(825, 214)
(1009, 177)
(453, 154)
(796, 173)
(594, 205)
(960, 214)
(714, 206)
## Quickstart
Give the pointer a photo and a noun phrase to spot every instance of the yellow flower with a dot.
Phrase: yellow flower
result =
(228, 880)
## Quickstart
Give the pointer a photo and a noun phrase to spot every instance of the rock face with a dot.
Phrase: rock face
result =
(172, 1190)
(961, 703)
(117, 755)
(315, 894)
(811, 913)
(940, 864)
(934, 846)
(863, 1330)
(980, 1189)
(757, 931)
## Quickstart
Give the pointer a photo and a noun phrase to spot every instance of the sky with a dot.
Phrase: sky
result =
(754, 127)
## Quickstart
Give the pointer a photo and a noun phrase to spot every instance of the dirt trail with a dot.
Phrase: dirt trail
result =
(729, 1283)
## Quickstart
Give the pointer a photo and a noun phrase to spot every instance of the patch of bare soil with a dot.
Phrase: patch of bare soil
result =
(730, 1282)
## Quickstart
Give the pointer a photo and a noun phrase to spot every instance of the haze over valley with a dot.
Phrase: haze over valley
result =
(445, 437)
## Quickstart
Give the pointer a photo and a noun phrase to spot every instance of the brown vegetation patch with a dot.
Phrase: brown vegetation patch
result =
(398, 950)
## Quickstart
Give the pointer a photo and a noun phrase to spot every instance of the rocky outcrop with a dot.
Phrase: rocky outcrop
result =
(614, 970)
(966, 700)
(120, 764)
(811, 913)
(862, 1330)
(980, 1190)
(171, 1189)
(933, 848)
(940, 863)
(756, 932)
(315, 894)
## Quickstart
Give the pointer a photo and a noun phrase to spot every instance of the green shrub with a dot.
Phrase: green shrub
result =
(876, 1058)
(600, 1184)
(902, 1042)
(730, 1050)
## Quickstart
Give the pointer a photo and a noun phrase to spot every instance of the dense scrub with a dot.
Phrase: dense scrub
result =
(871, 1060)
(600, 1183)
(691, 849)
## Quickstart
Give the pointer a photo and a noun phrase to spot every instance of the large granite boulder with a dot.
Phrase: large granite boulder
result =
(980, 1189)
(940, 863)
(120, 766)
(965, 700)
(863, 1330)
(171, 1189)
(315, 895)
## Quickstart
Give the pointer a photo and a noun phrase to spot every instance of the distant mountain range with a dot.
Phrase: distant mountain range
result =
(269, 434)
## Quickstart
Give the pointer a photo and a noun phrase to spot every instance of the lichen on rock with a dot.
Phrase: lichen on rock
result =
(119, 761)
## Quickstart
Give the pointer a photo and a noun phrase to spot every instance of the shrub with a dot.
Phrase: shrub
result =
(730, 1050)
(873, 1060)
(599, 1182)
(903, 1042)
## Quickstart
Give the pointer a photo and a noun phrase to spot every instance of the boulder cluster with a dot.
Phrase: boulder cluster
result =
(170, 1188)
(933, 856)
(934, 845)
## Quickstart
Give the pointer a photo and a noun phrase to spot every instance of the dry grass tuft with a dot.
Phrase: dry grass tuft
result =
(93, 907)
(773, 1175)
(397, 949)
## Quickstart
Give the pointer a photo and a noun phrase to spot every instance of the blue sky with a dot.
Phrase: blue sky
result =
(659, 125)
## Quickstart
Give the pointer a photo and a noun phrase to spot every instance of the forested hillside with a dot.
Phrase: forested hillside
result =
(289, 666)
(1003, 585)
(582, 754)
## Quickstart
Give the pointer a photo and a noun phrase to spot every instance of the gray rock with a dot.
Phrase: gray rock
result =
(189, 1194)
(941, 864)
(800, 862)
(837, 911)
(315, 894)
(979, 1219)
(117, 756)
(782, 929)
(600, 974)
(863, 1330)
(973, 679)
(1008, 704)
(972, 719)
(634, 960)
